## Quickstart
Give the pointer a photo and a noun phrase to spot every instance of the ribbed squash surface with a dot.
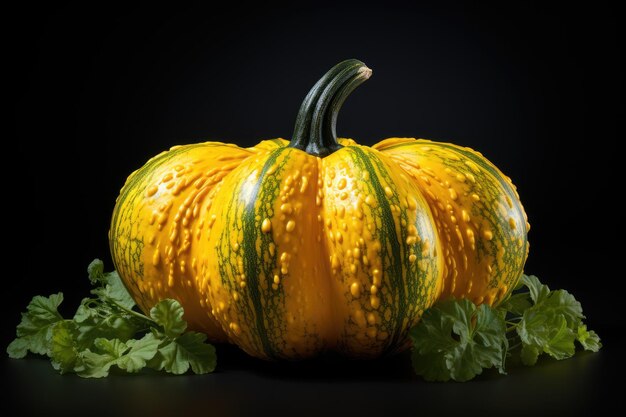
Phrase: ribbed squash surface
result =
(288, 254)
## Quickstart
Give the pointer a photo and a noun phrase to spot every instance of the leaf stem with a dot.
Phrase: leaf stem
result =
(131, 312)
(511, 328)
(516, 318)
(515, 346)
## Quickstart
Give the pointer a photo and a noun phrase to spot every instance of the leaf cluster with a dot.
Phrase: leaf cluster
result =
(107, 332)
(456, 339)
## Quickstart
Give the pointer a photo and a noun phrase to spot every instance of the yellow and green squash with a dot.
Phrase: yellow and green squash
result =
(291, 248)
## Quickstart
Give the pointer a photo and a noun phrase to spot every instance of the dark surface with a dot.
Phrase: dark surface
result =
(326, 386)
(94, 92)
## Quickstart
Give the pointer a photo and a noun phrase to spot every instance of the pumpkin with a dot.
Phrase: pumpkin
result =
(291, 248)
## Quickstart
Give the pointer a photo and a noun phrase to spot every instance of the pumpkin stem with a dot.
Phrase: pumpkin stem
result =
(316, 124)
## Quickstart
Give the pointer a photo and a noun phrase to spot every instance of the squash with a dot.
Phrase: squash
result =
(291, 248)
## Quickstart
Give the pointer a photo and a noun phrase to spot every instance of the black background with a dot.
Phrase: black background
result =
(95, 91)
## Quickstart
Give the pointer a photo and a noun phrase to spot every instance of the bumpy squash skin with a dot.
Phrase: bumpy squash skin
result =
(155, 222)
(286, 254)
(313, 254)
(477, 212)
(267, 279)
(288, 249)
(382, 247)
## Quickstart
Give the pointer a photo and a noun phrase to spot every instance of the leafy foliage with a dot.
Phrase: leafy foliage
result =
(457, 340)
(107, 331)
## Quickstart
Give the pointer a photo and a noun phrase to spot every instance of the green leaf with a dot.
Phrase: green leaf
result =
(33, 331)
(432, 340)
(516, 303)
(45, 309)
(529, 355)
(101, 333)
(101, 319)
(547, 332)
(114, 291)
(84, 312)
(141, 350)
(64, 353)
(18, 348)
(534, 328)
(456, 340)
(113, 347)
(561, 343)
(187, 350)
(169, 314)
(95, 272)
(112, 326)
(130, 356)
(562, 302)
(588, 338)
(538, 291)
(117, 291)
(201, 356)
(551, 325)
(97, 364)
(111, 287)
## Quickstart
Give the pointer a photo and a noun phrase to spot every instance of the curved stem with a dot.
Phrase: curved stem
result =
(315, 131)
(515, 346)
(511, 328)
(131, 312)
